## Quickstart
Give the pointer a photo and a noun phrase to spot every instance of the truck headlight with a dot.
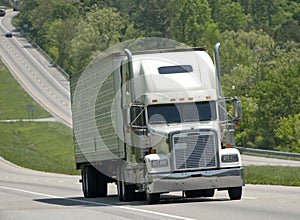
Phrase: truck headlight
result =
(230, 158)
(159, 163)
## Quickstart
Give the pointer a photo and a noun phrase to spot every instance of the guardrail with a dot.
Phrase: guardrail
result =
(268, 152)
(49, 58)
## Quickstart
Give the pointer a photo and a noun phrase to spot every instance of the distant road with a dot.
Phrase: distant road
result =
(34, 73)
(264, 161)
(31, 195)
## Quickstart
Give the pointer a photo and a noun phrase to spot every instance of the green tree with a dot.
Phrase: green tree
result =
(150, 17)
(245, 55)
(25, 15)
(253, 64)
(288, 31)
(59, 35)
(95, 35)
(193, 23)
(37, 14)
(232, 17)
(262, 12)
(228, 14)
(288, 134)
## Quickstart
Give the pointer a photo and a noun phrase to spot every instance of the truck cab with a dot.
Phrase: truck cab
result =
(178, 125)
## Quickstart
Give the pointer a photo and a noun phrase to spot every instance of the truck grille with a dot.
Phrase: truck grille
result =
(194, 150)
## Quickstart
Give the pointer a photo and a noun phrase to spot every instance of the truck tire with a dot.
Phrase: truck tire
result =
(140, 196)
(153, 198)
(235, 193)
(94, 183)
(126, 192)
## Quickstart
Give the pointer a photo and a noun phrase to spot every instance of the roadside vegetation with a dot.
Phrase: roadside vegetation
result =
(14, 100)
(44, 146)
(273, 175)
(40, 146)
(260, 47)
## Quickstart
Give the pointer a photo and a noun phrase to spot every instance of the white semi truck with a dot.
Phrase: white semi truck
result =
(154, 122)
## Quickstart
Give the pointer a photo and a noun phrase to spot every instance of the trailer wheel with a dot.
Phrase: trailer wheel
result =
(235, 193)
(94, 183)
(153, 198)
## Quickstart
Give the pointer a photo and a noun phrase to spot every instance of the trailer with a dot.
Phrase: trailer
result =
(153, 122)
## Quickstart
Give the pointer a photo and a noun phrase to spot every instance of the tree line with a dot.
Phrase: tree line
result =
(260, 47)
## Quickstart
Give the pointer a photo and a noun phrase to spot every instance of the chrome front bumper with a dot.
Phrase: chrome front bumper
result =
(196, 180)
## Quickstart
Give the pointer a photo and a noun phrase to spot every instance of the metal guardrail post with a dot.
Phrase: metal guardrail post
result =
(268, 152)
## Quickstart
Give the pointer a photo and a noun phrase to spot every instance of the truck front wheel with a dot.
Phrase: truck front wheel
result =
(235, 193)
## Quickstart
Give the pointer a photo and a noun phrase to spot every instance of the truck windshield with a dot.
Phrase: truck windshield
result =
(181, 112)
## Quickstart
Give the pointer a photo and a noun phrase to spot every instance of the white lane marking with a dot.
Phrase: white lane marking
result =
(37, 62)
(98, 203)
(250, 198)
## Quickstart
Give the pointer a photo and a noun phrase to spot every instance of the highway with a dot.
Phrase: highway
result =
(51, 89)
(27, 194)
(34, 73)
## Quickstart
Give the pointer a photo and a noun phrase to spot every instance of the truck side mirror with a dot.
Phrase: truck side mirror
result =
(237, 108)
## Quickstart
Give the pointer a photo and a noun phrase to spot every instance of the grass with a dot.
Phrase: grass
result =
(39, 146)
(14, 100)
(272, 175)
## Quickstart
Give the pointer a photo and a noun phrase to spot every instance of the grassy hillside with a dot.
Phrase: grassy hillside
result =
(41, 146)
(271, 175)
(14, 100)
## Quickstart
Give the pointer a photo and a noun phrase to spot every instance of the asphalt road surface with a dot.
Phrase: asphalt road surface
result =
(30, 195)
(34, 73)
